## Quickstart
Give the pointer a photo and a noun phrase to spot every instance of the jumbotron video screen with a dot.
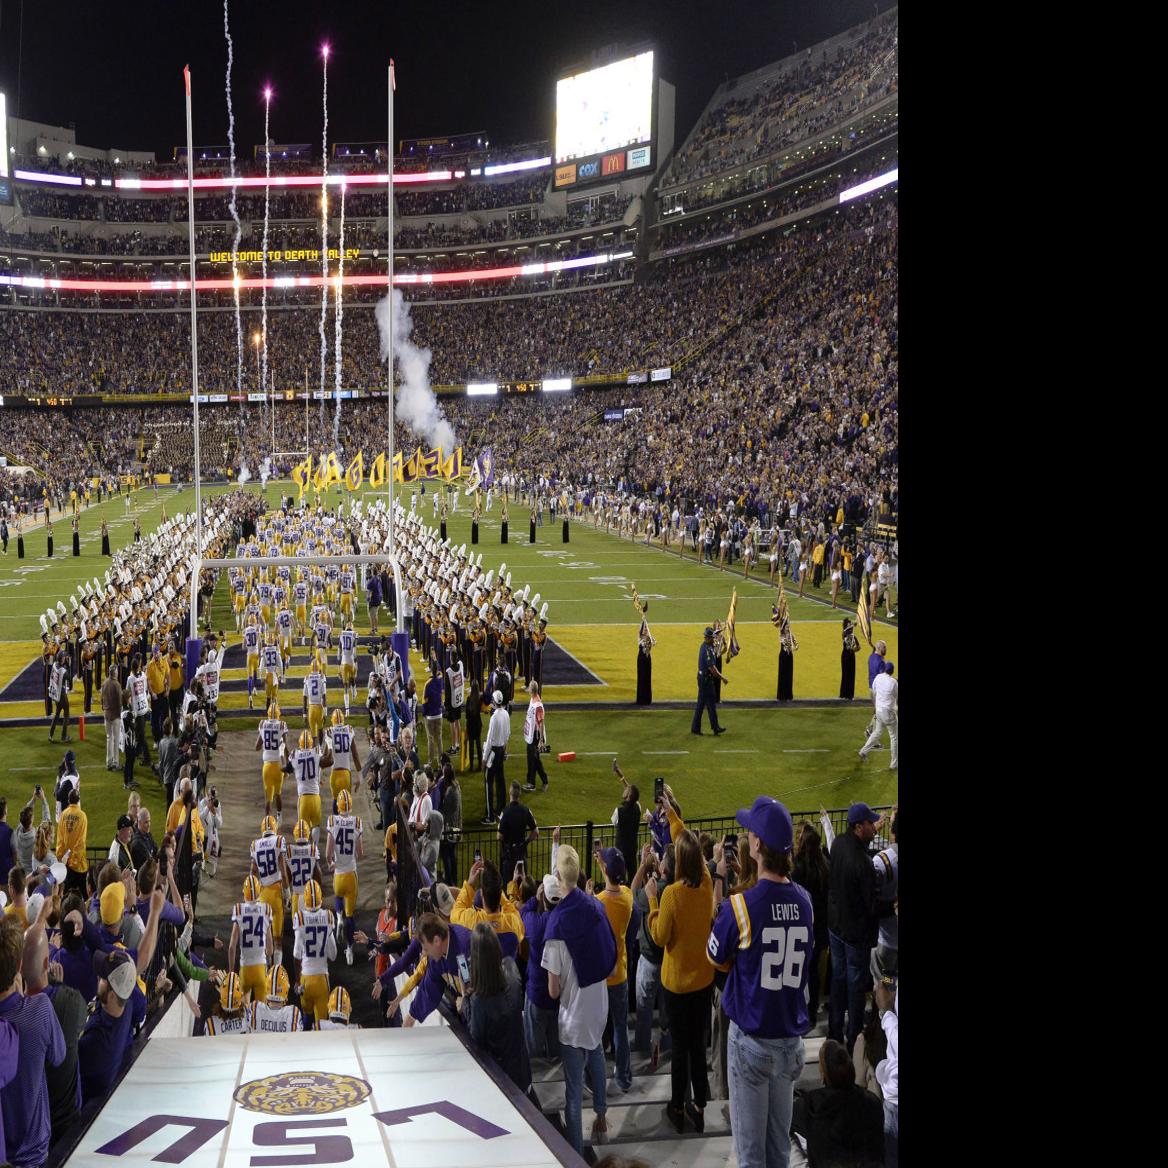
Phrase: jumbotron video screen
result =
(604, 121)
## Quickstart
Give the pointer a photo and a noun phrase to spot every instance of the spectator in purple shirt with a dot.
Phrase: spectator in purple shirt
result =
(24, 1102)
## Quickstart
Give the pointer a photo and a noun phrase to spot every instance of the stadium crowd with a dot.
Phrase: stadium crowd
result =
(807, 95)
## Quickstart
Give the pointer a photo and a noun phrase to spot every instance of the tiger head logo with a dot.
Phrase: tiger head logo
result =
(302, 1093)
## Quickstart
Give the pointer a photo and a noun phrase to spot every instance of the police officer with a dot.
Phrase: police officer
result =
(708, 676)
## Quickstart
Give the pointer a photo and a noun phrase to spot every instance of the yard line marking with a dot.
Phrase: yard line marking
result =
(737, 751)
(596, 753)
(811, 750)
(665, 752)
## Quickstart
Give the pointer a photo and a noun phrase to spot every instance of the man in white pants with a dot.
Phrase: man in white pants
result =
(885, 692)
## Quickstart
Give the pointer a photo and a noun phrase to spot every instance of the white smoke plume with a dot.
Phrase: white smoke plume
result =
(417, 404)
(244, 474)
(265, 471)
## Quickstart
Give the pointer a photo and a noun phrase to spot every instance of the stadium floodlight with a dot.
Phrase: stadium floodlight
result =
(482, 388)
(556, 384)
(873, 184)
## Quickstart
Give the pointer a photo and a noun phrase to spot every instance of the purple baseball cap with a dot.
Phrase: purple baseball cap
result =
(770, 821)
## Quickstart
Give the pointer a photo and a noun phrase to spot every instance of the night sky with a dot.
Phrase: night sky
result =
(114, 67)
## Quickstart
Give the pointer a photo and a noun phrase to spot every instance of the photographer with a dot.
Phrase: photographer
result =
(211, 813)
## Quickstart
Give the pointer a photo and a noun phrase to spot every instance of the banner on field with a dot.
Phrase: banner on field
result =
(320, 474)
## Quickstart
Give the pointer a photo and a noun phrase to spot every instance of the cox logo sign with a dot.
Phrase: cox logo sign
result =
(589, 169)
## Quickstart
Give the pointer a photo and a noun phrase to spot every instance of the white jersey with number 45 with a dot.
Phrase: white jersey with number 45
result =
(346, 831)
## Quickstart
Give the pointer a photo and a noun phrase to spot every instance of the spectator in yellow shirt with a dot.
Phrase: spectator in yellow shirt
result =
(618, 905)
(497, 910)
(158, 680)
(680, 924)
(72, 829)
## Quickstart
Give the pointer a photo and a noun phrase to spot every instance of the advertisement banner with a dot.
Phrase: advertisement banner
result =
(640, 156)
(566, 175)
(588, 169)
(663, 374)
(612, 163)
(638, 378)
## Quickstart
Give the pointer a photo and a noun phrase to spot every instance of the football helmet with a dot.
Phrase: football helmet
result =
(231, 994)
(339, 1005)
(305, 740)
(312, 895)
(251, 888)
(278, 985)
(344, 802)
(302, 833)
(274, 712)
(269, 826)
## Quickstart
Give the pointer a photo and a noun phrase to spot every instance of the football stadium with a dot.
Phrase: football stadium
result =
(387, 508)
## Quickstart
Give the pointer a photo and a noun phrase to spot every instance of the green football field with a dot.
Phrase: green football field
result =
(804, 754)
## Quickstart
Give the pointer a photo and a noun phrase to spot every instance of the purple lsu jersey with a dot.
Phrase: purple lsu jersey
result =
(765, 938)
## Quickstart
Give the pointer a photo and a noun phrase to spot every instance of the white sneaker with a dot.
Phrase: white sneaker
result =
(893, 767)
(349, 954)
(861, 755)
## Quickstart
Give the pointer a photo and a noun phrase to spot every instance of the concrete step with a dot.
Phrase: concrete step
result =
(647, 1122)
(543, 1071)
(694, 1152)
(645, 1089)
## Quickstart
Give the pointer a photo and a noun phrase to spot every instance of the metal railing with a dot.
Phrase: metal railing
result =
(582, 836)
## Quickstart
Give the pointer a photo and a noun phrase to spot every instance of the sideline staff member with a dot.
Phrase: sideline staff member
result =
(708, 674)
(763, 938)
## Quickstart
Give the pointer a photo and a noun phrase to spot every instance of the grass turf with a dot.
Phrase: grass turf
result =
(806, 755)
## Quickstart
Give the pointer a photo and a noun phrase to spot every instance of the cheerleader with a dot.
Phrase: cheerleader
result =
(804, 563)
(836, 574)
(748, 553)
(774, 557)
(723, 549)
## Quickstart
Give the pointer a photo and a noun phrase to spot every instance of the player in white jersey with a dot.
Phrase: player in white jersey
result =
(275, 1015)
(307, 763)
(303, 863)
(251, 646)
(332, 575)
(272, 739)
(342, 744)
(229, 1016)
(272, 665)
(315, 698)
(208, 673)
(264, 589)
(322, 633)
(251, 940)
(284, 629)
(316, 946)
(238, 595)
(339, 1009)
(343, 850)
(300, 598)
(348, 649)
(348, 588)
(269, 861)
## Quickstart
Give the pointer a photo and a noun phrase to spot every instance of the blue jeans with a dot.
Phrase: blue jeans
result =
(891, 1134)
(542, 1030)
(648, 997)
(618, 1012)
(763, 1073)
(574, 1060)
(849, 984)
